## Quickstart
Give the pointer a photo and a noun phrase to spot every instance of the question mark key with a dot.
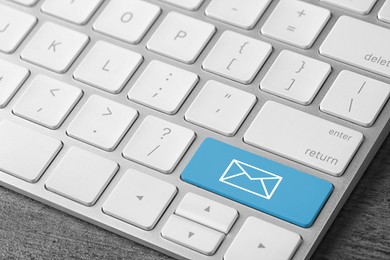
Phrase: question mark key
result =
(150, 145)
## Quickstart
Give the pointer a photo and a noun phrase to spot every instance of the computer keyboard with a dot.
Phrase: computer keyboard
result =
(205, 129)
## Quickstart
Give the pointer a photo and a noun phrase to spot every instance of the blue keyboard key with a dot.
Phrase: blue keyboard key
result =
(257, 182)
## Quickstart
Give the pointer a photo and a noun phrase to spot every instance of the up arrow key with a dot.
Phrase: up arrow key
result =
(261, 246)
(190, 234)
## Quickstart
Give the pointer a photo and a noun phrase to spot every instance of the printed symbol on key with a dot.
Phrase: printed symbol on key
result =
(301, 68)
(360, 90)
(227, 96)
(301, 13)
(242, 47)
(166, 131)
(4, 28)
(291, 28)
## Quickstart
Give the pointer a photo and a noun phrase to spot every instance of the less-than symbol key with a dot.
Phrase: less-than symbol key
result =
(53, 91)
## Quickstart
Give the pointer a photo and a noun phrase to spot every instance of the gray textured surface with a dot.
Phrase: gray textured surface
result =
(31, 230)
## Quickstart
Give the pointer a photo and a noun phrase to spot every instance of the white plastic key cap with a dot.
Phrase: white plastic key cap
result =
(25, 2)
(54, 47)
(14, 26)
(296, 22)
(181, 37)
(305, 138)
(237, 57)
(384, 12)
(11, 78)
(102, 122)
(25, 153)
(258, 239)
(75, 11)
(295, 77)
(241, 13)
(47, 101)
(359, 43)
(108, 67)
(81, 176)
(356, 6)
(127, 20)
(192, 235)
(139, 199)
(207, 212)
(356, 98)
(220, 108)
(163, 87)
(159, 144)
(191, 5)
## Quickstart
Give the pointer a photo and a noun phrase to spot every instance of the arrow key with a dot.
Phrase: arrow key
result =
(192, 235)
(259, 239)
(207, 212)
(139, 199)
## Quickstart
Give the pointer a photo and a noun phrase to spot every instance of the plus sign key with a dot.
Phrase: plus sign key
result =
(296, 22)
(54, 47)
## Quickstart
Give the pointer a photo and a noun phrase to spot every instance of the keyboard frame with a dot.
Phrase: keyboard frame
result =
(373, 136)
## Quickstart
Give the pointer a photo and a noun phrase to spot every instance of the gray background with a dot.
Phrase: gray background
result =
(31, 230)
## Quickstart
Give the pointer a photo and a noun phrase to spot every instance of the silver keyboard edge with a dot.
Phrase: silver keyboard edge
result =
(312, 236)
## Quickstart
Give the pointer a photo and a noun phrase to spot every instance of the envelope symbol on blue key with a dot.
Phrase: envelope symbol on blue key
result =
(251, 179)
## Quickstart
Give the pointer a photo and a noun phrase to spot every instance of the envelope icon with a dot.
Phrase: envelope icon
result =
(251, 179)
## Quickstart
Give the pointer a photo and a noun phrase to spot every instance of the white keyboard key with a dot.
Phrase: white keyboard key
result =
(305, 138)
(81, 176)
(108, 67)
(295, 77)
(139, 199)
(54, 47)
(181, 37)
(192, 235)
(220, 108)
(356, 6)
(207, 212)
(25, 2)
(241, 13)
(47, 101)
(258, 239)
(296, 22)
(102, 122)
(191, 5)
(14, 27)
(159, 144)
(163, 87)
(237, 57)
(384, 12)
(25, 153)
(359, 43)
(356, 98)
(11, 78)
(127, 20)
(75, 11)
